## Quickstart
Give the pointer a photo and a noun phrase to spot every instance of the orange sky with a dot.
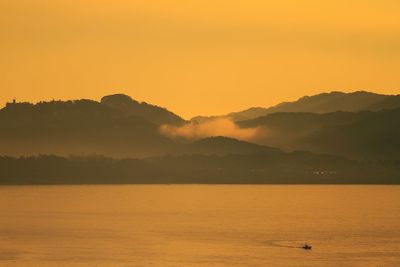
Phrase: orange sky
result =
(197, 57)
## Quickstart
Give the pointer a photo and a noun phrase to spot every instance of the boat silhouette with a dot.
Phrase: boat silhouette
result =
(306, 246)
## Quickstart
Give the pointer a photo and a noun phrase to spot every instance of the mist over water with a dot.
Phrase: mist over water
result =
(199, 225)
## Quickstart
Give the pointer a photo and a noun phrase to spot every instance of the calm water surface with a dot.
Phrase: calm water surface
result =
(198, 225)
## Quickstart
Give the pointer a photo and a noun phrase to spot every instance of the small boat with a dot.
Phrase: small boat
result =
(306, 246)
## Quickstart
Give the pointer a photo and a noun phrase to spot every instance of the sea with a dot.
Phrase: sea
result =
(200, 225)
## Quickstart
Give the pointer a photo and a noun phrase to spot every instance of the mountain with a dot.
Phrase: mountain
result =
(81, 127)
(321, 103)
(376, 136)
(332, 147)
(116, 127)
(152, 113)
(119, 126)
(220, 145)
(336, 101)
(361, 135)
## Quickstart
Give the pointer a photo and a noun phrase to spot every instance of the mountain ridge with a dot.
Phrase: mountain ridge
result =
(87, 127)
(319, 103)
(363, 134)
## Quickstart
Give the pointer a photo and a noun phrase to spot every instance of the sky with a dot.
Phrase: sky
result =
(197, 57)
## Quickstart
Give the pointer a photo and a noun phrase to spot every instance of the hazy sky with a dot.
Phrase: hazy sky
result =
(197, 57)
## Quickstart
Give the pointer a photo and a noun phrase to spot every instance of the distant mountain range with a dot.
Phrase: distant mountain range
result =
(117, 126)
(321, 103)
(327, 138)
(359, 135)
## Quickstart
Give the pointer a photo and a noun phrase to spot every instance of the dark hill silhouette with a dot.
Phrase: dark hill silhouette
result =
(303, 122)
(86, 127)
(152, 113)
(334, 101)
(321, 103)
(366, 134)
(375, 136)
(77, 127)
(122, 127)
(220, 145)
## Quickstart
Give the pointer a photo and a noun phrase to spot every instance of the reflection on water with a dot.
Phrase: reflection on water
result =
(199, 225)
